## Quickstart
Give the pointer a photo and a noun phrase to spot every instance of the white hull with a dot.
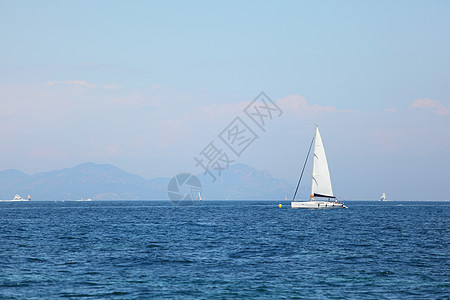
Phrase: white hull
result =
(317, 204)
(17, 198)
(23, 200)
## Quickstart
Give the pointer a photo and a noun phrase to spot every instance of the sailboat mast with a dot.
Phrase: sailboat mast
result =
(314, 163)
(304, 165)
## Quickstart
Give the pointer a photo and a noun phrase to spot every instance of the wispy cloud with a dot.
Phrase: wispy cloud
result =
(390, 109)
(295, 104)
(72, 82)
(434, 105)
(298, 106)
(215, 111)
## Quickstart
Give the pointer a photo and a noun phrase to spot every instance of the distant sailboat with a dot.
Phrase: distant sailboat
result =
(383, 197)
(321, 181)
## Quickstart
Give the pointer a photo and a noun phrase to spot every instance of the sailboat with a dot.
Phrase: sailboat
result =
(383, 197)
(321, 181)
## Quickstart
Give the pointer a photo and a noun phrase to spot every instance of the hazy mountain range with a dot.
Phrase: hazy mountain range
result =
(107, 182)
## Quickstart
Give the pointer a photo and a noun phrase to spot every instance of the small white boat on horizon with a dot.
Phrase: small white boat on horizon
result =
(383, 197)
(17, 198)
(321, 181)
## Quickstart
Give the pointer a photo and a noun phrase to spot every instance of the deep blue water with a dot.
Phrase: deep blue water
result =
(228, 249)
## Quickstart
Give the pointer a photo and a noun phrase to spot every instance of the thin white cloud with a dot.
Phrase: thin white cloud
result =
(298, 106)
(294, 104)
(215, 111)
(72, 82)
(434, 105)
(390, 109)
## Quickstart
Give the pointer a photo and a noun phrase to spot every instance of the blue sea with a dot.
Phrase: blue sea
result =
(224, 249)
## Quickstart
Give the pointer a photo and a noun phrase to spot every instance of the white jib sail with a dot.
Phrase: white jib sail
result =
(321, 182)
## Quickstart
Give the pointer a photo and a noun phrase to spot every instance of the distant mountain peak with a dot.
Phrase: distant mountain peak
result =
(88, 165)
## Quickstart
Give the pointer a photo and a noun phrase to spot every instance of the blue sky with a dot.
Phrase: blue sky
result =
(147, 85)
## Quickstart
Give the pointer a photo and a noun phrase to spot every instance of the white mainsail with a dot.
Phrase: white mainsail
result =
(321, 182)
